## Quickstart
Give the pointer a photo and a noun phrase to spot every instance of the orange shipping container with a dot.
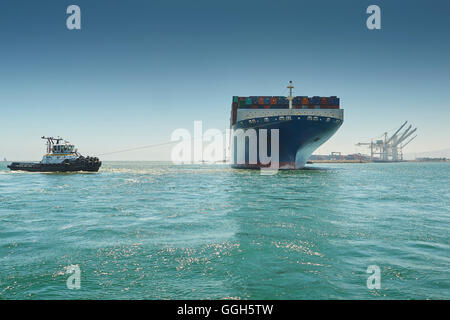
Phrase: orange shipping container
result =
(273, 100)
(261, 100)
(305, 101)
(324, 101)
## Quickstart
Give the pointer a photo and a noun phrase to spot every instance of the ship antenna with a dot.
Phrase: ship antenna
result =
(290, 87)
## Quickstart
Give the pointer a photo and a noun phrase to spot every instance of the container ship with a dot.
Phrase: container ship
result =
(303, 123)
(60, 157)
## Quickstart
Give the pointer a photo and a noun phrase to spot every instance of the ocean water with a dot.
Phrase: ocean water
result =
(147, 230)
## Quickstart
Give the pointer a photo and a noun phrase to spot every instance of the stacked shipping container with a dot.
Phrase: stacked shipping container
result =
(277, 102)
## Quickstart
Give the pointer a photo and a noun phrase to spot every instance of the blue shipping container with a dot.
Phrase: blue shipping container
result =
(314, 100)
(333, 101)
(282, 100)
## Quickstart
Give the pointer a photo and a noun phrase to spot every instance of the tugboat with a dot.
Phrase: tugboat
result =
(60, 157)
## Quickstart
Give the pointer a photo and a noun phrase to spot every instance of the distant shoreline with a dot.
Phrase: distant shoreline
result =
(369, 161)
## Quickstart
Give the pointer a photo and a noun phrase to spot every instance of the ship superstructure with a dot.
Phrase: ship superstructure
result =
(303, 123)
(58, 152)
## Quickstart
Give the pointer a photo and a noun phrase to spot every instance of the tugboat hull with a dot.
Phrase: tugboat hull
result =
(59, 167)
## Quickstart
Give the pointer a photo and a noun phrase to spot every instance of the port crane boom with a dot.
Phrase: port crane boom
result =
(406, 136)
(395, 134)
(404, 145)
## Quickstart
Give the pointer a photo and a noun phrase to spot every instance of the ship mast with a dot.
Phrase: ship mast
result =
(290, 98)
(50, 142)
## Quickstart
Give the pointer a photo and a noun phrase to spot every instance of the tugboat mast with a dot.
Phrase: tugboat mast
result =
(290, 98)
(51, 142)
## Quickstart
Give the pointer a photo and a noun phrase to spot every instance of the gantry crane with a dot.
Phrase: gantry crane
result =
(390, 148)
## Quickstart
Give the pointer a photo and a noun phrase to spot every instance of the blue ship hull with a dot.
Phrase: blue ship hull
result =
(298, 138)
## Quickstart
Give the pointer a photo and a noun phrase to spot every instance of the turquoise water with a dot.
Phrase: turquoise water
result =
(143, 230)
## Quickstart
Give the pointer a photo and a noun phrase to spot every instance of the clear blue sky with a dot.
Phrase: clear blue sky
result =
(140, 69)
